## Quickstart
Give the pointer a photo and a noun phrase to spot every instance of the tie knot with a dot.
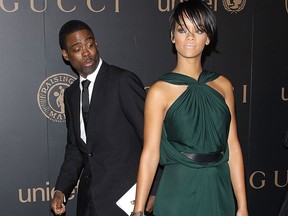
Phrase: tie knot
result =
(85, 83)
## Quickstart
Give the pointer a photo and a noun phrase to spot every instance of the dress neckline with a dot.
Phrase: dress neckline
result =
(185, 76)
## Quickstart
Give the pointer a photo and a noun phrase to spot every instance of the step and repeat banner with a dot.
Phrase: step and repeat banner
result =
(251, 51)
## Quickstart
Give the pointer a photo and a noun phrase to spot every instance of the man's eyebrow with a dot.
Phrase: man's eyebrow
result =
(75, 44)
(88, 38)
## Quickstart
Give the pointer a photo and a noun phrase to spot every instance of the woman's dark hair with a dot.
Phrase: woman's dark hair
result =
(69, 28)
(199, 13)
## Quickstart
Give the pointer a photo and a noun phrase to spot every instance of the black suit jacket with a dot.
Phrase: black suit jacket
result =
(110, 159)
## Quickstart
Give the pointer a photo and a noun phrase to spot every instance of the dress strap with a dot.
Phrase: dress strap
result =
(208, 76)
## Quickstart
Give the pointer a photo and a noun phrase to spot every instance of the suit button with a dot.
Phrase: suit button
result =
(90, 154)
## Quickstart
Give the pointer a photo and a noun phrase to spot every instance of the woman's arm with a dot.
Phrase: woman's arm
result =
(153, 120)
(236, 163)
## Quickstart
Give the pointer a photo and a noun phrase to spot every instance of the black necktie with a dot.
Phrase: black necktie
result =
(85, 101)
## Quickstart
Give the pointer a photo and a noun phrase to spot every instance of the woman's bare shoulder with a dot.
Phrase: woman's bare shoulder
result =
(224, 81)
(159, 88)
(223, 85)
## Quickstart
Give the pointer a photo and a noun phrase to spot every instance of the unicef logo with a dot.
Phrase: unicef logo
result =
(50, 96)
(234, 6)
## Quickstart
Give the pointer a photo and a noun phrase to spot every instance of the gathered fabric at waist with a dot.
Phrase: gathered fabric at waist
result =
(205, 158)
(173, 154)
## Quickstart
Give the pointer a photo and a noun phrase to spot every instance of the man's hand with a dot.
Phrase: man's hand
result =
(57, 205)
(150, 203)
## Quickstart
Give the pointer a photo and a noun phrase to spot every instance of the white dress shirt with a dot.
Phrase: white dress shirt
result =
(91, 77)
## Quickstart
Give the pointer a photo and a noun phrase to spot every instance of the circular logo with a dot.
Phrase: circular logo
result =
(50, 96)
(234, 6)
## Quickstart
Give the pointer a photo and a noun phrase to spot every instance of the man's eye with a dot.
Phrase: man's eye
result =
(77, 50)
(90, 45)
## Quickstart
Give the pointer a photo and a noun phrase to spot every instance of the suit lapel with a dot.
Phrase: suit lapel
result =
(100, 80)
(75, 107)
(97, 96)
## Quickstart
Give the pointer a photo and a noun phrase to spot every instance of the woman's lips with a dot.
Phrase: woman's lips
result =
(190, 46)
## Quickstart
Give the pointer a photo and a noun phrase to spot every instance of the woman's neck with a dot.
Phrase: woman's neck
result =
(190, 67)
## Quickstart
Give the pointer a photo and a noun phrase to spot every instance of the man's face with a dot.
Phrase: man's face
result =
(81, 51)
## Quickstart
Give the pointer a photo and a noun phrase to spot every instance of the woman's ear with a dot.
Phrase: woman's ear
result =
(207, 41)
(172, 37)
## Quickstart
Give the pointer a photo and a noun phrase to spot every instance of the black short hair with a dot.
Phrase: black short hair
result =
(69, 28)
(199, 13)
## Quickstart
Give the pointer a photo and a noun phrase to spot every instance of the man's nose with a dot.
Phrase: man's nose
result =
(85, 52)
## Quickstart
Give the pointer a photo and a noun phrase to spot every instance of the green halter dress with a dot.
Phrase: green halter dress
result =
(197, 122)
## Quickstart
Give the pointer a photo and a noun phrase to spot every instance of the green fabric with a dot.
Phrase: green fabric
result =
(197, 122)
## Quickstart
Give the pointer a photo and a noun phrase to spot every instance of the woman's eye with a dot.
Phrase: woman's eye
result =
(181, 30)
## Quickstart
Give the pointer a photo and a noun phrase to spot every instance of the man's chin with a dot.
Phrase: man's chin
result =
(88, 71)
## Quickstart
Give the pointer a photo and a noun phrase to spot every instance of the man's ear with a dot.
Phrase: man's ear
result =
(64, 54)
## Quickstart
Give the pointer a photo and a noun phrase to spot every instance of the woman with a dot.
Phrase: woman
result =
(190, 127)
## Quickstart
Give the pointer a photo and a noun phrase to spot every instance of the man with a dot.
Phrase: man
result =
(103, 144)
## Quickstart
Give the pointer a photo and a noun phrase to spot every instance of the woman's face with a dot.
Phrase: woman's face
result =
(189, 41)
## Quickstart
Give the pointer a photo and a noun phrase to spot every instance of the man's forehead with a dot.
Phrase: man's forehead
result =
(79, 37)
